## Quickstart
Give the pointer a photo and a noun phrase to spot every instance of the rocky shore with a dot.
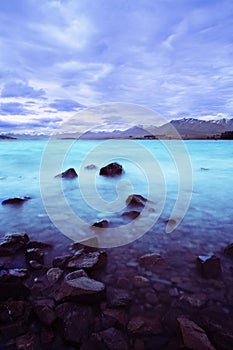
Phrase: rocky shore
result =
(92, 299)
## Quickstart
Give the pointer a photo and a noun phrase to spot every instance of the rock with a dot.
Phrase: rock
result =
(151, 298)
(112, 169)
(61, 261)
(15, 200)
(136, 200)
(44, 309)
(195, 300)
(228, 251)
(139, 345)
(118, 298)
(140, 281)
(222, 338)
(11, 243)
(13, 330)
(101, 223)
(54, 274)
(47, 335)
(78, 321)
(88, 260)
(122, 282)
(209, 266)
(35, 265)
(40, 245)
(81, 288)
(173, 292)
(11, 311)
(110, 338)
(144, 326)
(153, 261)
(133, 214)
(90, 244)
(91, 167)
(68, 174)
(193, 336)
(11, 286)
(118, 316)
(34, 254)
(28, 342)
(21, 273)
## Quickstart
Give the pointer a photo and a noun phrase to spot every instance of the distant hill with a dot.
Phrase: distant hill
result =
(5, 137)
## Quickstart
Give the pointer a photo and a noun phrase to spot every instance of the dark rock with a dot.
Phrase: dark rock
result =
(110, 338)
(140, 281)
(152, 261)
(228, 251)
(195, 300)
(68, 174)
(47, 335)
(112, 169)
(87, 260)
(118, 298)
(91, 167)
(35, 265)
(133, 214)
(12, 286)
(78, 286)
(101, 223)
(78, 321)
(13, 330)
(222, 338)
(136, 200)
(21, 273)
(209, 266)
(28, 342)
(115, 317)
(54, 274)
(34, 254)
(11, 243)
(61, 261)
(143, 325)
(193, 336)
(11, 311)
(15, 200)
(40, 245)
(44, 309)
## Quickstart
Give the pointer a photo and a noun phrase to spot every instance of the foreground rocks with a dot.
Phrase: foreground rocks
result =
(10, 244)
(209, 266)
(112, 169)
(68, 174)
(136, 200)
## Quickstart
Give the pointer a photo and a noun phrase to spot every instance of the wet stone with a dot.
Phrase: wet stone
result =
(140, 281)
(44, 309)
(87, 260)
(28, 342)
(101, 224)
(152, 261)
(143, 325)
(35, 254)
(11, 243)
(61, 261)
(54, 274)
(118, 298)
(228, 251)
(209, 266)
(111, 338)
(15, 201)
(112, 169)
(68, 174)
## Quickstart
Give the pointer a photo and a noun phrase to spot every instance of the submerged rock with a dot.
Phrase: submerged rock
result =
(118, 298)
(143, 325)
(11, 243)
(34, 254)
(91, 167)
(54, 274)
(193, 336)
(44, 309)
(136, 200)
(68, 174)
(61, 261)
(102, 224)
(152, 261)
(78, 286)
(112, 169)
(228, 251)
(28, 341)
(133, 214)
(87, 260)
(15, 200)
(209, 266)
(110, 338)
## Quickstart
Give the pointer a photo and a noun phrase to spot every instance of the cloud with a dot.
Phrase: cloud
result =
(13, 108)
(21, 89)
(65, 105)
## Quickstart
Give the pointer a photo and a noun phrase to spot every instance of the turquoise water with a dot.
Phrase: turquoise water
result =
(208, 221)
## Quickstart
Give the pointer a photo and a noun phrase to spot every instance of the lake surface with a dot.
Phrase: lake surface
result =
(207, 225)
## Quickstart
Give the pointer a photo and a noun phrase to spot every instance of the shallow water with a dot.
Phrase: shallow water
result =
(207, 224)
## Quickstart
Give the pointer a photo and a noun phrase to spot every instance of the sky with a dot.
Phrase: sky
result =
(58, 57)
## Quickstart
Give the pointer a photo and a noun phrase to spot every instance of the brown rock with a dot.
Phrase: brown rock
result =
(118, 297)
(12, 287)
(209, 266)
(140, 281)
(195, 300)
(44, 309)
(110, 338)
(61, 261)
(119, 315)
(193, 337)
(47, 335)
(34, 254)
(54, 274)
(11, 311)
(153, 261)
(15, 200)
(11, 243)
(87, 260)
(144, 326)
(28, 342)
(133, 214)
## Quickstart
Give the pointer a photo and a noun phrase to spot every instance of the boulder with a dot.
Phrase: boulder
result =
(68, 174)
(77, 321)
(209, 266)
(193, 336)
(11, 286)
(40, 245)
(78, 286)
(87, 260)
(221, 337)
(152, 261)
(11, 243)
(15, 200)
(101, 223)
(112, 169)
(136, 200)
(61, 261)
(44, 309)
(144, 326)
(54, 274)
(133, 214)
(228, 251)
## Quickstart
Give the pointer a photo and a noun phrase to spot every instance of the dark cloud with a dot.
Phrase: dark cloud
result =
(21, 89)
(14, 108)
(65, 105)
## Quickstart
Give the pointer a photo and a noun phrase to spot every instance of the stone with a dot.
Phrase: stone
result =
(151, 298)
(15, 201)
(101, 223)
(13, 330)
(119, 315)
(91, 167)
(118, 298)
(110, 338)
(195, 300)
(44, 309)
(40, 245)
(136, 200)
(54, 274)
(228, 251)
(68, 174)
(11, 243)
(87, 260)
(112, 169)
(133, 214)
(140, 281)
(81, 288)
(193, 336)
(11, 311)
(21, 273)
(122, 282)
(47, 335)
(209, 266)
(139, 344)
(77, 320)
(144, 326)
(34, 254)
(11, 286)
(28, 342)
(152, 261)
(219, 335)
(35, 265)
(61, 261)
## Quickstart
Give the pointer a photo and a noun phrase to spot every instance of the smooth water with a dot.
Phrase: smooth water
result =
(207, 223)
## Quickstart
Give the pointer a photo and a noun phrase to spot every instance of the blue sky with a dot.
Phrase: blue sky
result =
(57, 57)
